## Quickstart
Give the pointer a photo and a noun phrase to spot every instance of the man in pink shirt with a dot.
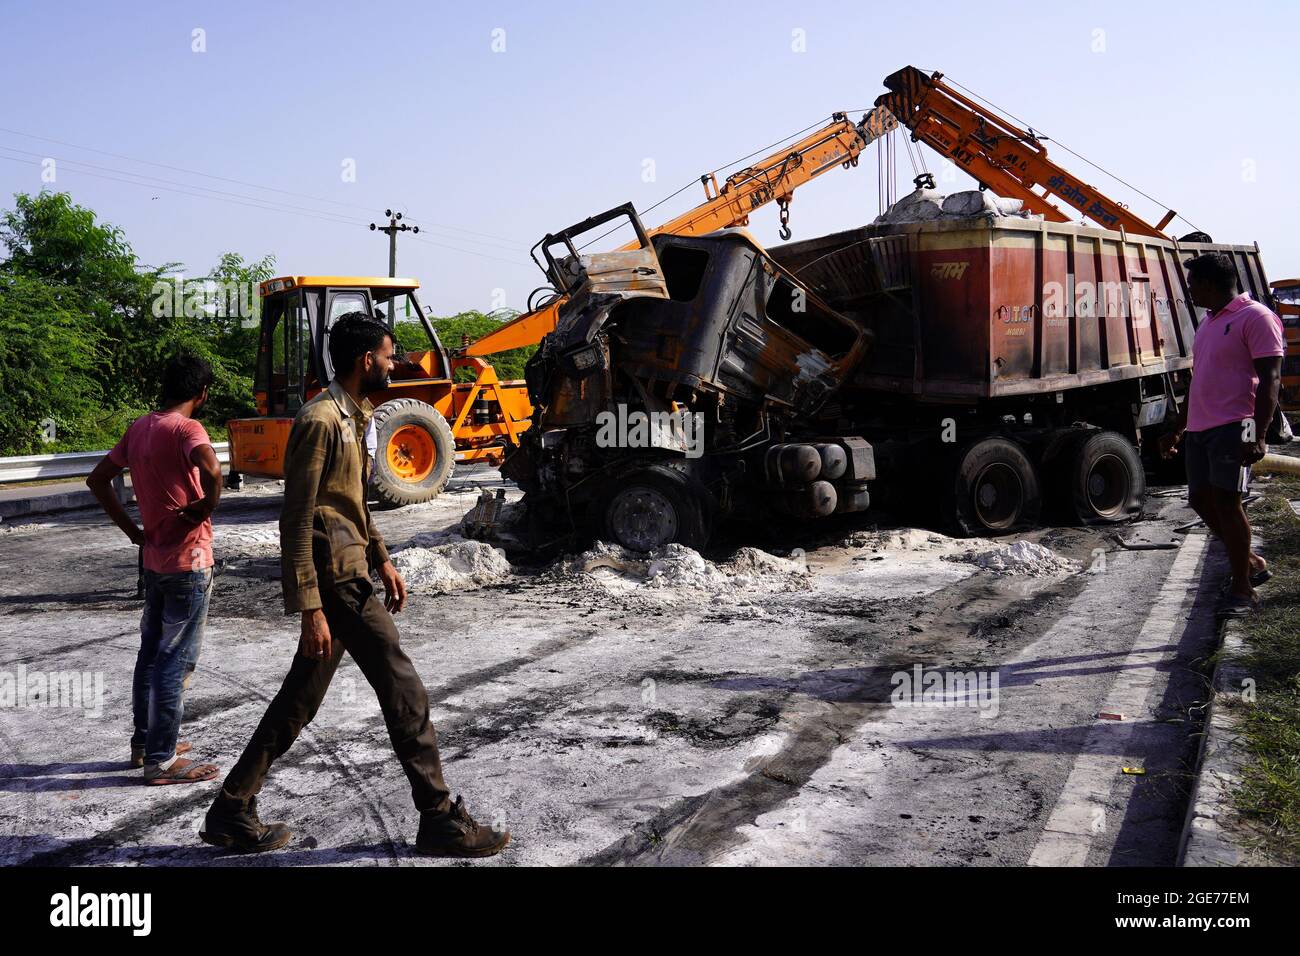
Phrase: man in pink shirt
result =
(177, 483)
(1235, 380)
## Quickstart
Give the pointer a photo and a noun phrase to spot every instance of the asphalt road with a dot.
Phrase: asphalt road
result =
(605, 722)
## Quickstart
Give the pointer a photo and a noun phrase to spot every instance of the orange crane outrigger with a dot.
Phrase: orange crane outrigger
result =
(998, 154)
(775, 178)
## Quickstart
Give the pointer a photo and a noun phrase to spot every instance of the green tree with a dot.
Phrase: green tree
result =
(49, 401)
(229, 331)
(75, 302)
(464, 327)
(49, 237)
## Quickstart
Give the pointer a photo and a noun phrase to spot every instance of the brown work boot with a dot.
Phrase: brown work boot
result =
(233, 825)
(455, 833)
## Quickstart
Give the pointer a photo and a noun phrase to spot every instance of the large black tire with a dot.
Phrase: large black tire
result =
(415, 453)
(993, 489)
(1105, 480)
(649, 508)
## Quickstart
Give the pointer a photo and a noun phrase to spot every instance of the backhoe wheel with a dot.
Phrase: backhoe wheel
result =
(1106, 480)
(646, 510)
(414, 452)
(994, 488)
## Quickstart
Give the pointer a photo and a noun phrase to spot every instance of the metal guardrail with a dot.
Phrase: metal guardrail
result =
(73, 464)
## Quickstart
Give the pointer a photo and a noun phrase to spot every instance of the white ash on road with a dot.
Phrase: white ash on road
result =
(741, 706)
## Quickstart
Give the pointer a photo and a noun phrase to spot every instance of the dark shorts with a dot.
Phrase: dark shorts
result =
(1214, 458)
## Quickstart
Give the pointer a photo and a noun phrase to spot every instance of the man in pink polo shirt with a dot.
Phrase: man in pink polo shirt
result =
(1235, 379)
(177, 482)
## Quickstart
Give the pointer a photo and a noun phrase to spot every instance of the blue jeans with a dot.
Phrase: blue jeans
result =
(171, 632)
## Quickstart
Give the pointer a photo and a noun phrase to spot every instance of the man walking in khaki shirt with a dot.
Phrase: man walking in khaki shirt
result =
(328, 546)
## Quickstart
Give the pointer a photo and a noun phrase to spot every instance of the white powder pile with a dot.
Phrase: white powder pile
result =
(261, 539)
(443, 562)
(675, 567)
(1023, 557)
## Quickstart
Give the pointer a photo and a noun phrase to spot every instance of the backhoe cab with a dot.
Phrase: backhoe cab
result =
(424, 421)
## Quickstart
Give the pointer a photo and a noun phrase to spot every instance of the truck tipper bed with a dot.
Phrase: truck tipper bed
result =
(1015, 362)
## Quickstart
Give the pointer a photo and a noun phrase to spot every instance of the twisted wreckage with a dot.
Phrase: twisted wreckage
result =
(983, 358)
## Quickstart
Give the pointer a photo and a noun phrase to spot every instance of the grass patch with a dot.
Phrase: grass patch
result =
(1269, 795)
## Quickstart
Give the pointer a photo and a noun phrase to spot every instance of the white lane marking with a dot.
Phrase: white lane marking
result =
(1079, 814)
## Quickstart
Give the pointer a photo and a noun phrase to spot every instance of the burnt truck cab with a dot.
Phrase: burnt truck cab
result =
(684, 381)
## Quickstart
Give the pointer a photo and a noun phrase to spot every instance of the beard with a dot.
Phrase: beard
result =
(374, 381)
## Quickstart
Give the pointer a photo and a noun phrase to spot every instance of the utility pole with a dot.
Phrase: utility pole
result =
(393, 229)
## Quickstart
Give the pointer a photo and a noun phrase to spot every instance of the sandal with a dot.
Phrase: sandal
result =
(181, 771)
(137, 753)
(1234, 606)
(1256, 579)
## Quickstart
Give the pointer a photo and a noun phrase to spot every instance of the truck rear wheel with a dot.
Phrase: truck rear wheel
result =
(415, 453)
(647, 510)
(994, 488)
(1106, 481)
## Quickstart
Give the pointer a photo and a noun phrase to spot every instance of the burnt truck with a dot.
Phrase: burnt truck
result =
(980, 372)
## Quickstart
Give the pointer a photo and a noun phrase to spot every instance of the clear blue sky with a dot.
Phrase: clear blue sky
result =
(1195, 103)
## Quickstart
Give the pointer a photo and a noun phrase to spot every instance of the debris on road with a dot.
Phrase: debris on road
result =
(491, 515)
(1144, 545)
(905, 539)
(447, 562)
(675, 567)
(31, 528)
(257, 540)
(1023, 557)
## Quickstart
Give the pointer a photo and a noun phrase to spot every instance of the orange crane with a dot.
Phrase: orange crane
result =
(775, 178)
(1000, 155)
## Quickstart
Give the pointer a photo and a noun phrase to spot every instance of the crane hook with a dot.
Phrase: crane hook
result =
(784, 206)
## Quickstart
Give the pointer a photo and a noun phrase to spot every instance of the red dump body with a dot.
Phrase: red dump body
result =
(1008, 306)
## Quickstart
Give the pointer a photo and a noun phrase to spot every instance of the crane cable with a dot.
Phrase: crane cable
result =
(1078, 156)
(720, 169)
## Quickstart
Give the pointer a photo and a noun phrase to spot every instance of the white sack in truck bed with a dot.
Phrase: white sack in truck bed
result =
(923, 205)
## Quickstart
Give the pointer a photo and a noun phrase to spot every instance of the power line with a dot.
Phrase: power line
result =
(185, 192)
(250, 202)
(424, 224)
(150, 180)
(1027, 125)
(238, 182)
(391, 230)
(470, 252)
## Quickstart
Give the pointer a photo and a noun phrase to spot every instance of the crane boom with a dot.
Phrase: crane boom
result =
(775, 178)
(1000, 155)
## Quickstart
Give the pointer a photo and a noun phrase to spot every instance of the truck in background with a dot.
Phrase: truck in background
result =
(1286, 302)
